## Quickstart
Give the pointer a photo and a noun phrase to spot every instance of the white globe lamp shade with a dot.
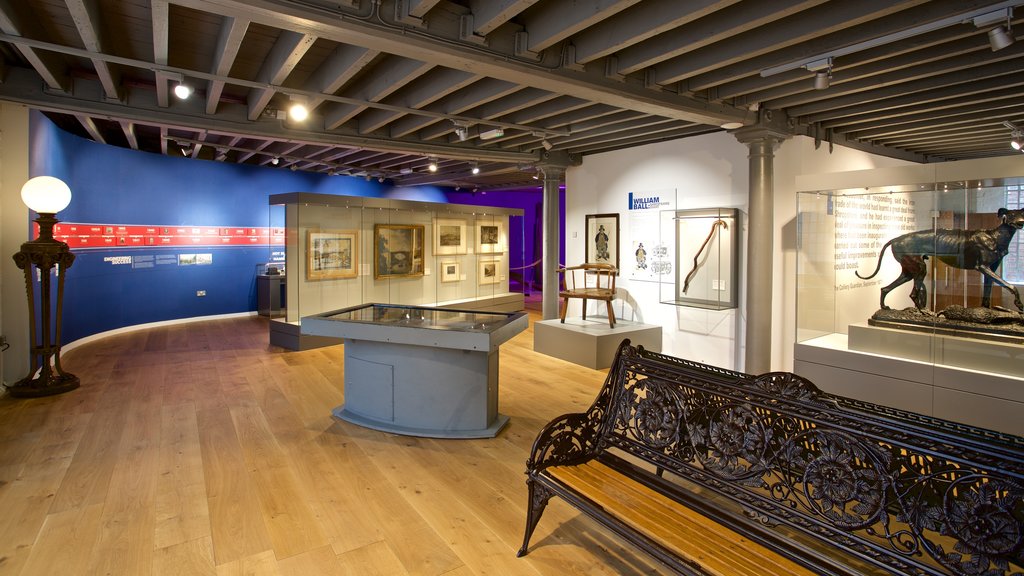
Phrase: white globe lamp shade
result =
(46, 194)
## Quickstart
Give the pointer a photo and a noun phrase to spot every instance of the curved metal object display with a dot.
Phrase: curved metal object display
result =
(696, 257)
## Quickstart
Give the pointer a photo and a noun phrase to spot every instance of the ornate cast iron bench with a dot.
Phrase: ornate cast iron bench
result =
(595, 281)
(718, 472)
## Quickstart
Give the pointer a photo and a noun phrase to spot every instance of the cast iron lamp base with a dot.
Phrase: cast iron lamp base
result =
(44, 386)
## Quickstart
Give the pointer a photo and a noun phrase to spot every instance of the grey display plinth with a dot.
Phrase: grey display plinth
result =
(420, 371)
(591, 343)
(970, 353)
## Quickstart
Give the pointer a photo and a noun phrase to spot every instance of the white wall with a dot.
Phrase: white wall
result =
(706, 171)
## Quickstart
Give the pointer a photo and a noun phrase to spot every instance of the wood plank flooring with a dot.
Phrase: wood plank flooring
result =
(200, 449)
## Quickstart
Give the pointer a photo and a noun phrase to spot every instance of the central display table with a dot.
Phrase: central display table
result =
(420, 371)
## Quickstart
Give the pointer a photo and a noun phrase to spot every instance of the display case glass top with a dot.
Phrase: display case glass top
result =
(422, 317)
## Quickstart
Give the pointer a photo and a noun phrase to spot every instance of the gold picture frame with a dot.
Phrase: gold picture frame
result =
(398, 250)
(332, 254)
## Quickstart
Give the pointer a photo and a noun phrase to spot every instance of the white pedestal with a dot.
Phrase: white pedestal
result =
(591, 343)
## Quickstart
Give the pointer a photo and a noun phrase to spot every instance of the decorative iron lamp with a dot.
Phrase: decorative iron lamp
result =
(45, 195)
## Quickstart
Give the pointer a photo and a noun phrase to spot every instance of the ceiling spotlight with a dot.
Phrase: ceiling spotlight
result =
(547, 145)
(405, 170)
(380, 179)
(822, 72)
(293, 167)
(732, 125)
(433, 165)
(297, 110)
(275, 160)
(186, 151)
(1000, 37)
(1015, 143)
(182, 91)
(475, 169)
(1016, 136)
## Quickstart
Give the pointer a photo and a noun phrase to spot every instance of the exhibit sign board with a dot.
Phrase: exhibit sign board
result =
(647, 256)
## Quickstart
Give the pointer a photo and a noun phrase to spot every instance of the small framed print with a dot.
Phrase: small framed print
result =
(398, 250)
(449, 237)
(490, 237)
(332, 254)
(450, 271)
(603, 239)
(490, 271)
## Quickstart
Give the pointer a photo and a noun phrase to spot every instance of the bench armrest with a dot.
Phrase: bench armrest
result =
(568, 439)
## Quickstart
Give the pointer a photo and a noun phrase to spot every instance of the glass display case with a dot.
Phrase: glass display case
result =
(908, 295)
(343, 251)
(705, 243)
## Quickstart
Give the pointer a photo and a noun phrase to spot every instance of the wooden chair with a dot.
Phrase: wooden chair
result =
(590, 281)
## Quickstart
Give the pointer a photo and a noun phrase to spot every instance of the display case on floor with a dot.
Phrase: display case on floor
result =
(908, 296)
(343, 251)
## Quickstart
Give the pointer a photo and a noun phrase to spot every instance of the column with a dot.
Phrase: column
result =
(760, 245)
(552, 239)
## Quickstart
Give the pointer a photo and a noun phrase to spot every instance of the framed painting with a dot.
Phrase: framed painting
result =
(398, 250)
(449, 237)
(602, 236)
(490, 237)
(332, 254)
(490, 271)
(450, 271)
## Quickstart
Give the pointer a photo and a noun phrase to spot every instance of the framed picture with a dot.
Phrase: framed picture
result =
(398, 250)
(490, 237)
(449, 237)
(603, 239)
(450, 271)
(332, 254)
(490, 271)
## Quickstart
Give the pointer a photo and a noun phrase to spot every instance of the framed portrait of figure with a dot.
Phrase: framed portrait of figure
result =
(490, 237)
(450, 271)
(602, 237)
(449, 236)
(398, 250)
(489, 271)
(332, 254)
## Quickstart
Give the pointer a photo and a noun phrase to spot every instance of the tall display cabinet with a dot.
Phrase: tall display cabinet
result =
(343, 251)
(933, 348)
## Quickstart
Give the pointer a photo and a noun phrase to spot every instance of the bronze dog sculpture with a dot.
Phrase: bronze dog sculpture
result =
(981, 250)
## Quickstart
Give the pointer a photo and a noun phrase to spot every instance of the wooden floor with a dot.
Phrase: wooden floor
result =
(200, 449)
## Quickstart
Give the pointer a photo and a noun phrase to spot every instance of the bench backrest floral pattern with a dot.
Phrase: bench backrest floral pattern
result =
(903, 492)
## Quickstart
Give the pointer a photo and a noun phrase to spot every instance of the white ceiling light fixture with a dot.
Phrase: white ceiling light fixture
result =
(475, 168)
(275, 160)
(183, 91)
(492, 134)
(297, 110)
(433, 165)
(731, 125)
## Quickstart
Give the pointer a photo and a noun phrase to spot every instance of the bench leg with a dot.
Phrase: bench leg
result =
(539, 496)
(611, 314)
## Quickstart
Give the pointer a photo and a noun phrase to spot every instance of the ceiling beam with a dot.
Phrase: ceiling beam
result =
(431, 87)
(49, 67)
(289, 48)
(85, 14)
(798, 28)
(638, 23)
(411, 43)
(344, 63)
(160, 22)
(720, 25)
(489, 14)
(229, 41)
(552, 22)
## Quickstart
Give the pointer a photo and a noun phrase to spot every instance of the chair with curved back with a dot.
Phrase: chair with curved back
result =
(590, 281)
